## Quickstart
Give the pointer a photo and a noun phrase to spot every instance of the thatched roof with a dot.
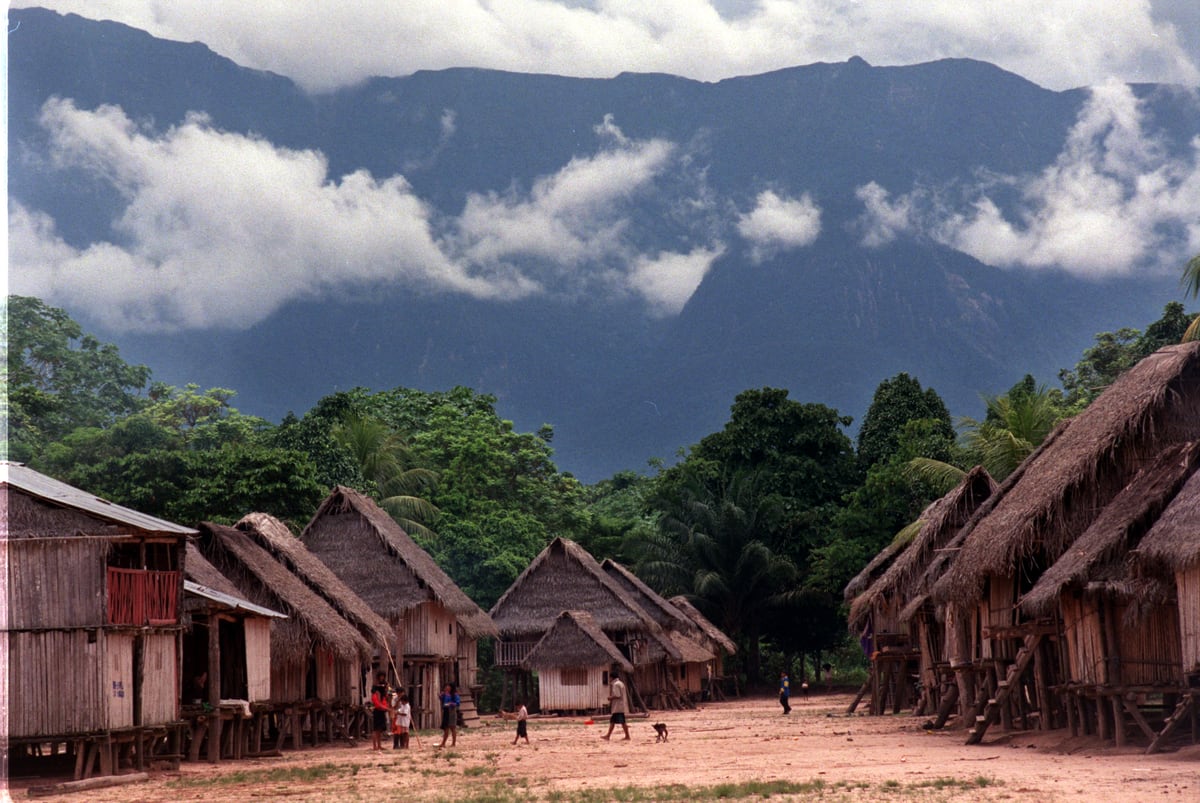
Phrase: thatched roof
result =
(1058, 491)
(1117, 529)
(710, 631)
(564, 576)
(273, 535)
(265, 581)
(1173, 543)
(667, 615)
(575, 640)
(874, 569)
(938, 524)
(692, 649)
(375, 557)
(199, 570)
(66, 509)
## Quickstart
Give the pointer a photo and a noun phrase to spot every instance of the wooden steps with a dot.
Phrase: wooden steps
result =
(1182, 711)
(468, 715)
(991, 709)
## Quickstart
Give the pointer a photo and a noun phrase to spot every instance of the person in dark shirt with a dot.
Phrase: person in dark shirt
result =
(785, 692)
(379, 710)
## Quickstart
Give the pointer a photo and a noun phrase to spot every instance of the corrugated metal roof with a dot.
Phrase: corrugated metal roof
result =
(237, 603)
(18, 475)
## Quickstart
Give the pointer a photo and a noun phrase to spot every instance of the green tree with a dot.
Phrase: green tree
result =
(896, 402)
(59, 378)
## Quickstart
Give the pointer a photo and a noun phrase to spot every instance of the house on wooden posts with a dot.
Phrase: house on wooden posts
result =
(711, 682)
(317, 657)
(1035, 517)
(1169, 556)
(1121, 632)
(273, 535)
(565, 577)
(902, 643)
(434, 627)
(674, 681)
(226, 662)
(91, 628)
(573, 661)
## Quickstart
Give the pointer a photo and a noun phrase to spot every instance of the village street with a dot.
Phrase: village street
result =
(741, 749)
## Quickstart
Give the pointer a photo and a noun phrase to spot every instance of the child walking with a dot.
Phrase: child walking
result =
(522, 715)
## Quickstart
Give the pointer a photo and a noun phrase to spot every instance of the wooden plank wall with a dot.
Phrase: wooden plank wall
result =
(326, 675)
(1188, 592)
(1149, 652)
(468, 660)
(430, 629)
(1085, 641)
(553, 695)
(56, 583)
(119, 662)
(160, 681)
(287, 681)
(258, 658)
(58, 683)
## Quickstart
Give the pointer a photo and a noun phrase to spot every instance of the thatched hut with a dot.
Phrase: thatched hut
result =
(720, 644)
(564, 576)
(226, 657)
(914, 636)
(1045, 506)
(316, 655)
(573, 660)
(1121, 633)
(435, 627)
(672, 681)
(92, 624)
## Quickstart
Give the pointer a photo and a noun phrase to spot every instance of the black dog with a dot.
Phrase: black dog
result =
(661, 729)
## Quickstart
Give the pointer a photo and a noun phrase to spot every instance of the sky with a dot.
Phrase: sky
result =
(323, 44)
(1114, 201)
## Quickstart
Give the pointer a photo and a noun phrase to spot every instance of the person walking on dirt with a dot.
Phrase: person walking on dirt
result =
(618, 705)
(785, 692)
(450, 703)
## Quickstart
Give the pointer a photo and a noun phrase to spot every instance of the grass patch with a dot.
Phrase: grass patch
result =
(479, 771)
(316, 772)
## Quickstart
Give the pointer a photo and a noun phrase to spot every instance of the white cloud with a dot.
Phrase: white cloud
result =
(668, 280)
(220, 229)
(1114, 202)
(328, 43)
(779, 223)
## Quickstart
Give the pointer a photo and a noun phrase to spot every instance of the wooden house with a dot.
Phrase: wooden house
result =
(1169, 555)
(226, 658)
(573, 660)
(434, 627)
(1121, 633)
(904, 643)
(711, 681)
(317, 656)
(675, 680)
(565, 577)
(91, 625)
(1036, 515)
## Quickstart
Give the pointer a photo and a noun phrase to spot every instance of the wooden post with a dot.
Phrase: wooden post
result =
(1118, 720)
(1043, 692)
(214, 688)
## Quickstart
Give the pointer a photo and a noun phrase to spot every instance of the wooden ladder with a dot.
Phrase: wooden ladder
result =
(1182, 712)
(1004, 688)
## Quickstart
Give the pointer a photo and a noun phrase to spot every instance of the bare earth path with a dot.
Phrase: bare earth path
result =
(743, 749)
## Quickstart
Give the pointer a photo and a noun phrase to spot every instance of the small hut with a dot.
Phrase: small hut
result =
(1122, 633)
(434, 627)
(316, 655)
(226, 659)
(564, 576)
(91, 626)
(1170, 555)
(911, 643)
(721, 645)
(667, 683)
(1041, 510)
(573, 660)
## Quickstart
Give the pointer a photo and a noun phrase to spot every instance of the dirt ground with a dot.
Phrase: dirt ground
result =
(741, 749)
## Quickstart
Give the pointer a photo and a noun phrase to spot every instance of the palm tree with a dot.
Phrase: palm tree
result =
(1191, 285)
(712, 546)
(384, 456)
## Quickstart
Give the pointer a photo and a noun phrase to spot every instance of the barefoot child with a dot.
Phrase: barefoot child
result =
(521, 715)
(401, 721)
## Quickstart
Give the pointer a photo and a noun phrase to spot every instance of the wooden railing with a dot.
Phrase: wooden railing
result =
(140, 597)
(512, 653)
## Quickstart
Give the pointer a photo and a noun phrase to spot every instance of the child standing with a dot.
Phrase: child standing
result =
(522, 715)
(401, 721)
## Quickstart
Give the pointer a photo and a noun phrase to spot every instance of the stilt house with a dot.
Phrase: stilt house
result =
(573, 660)
(317, 657)
(1035, 517)
(92, 623)
(564, 577)
(434, 627)
(711, 682)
